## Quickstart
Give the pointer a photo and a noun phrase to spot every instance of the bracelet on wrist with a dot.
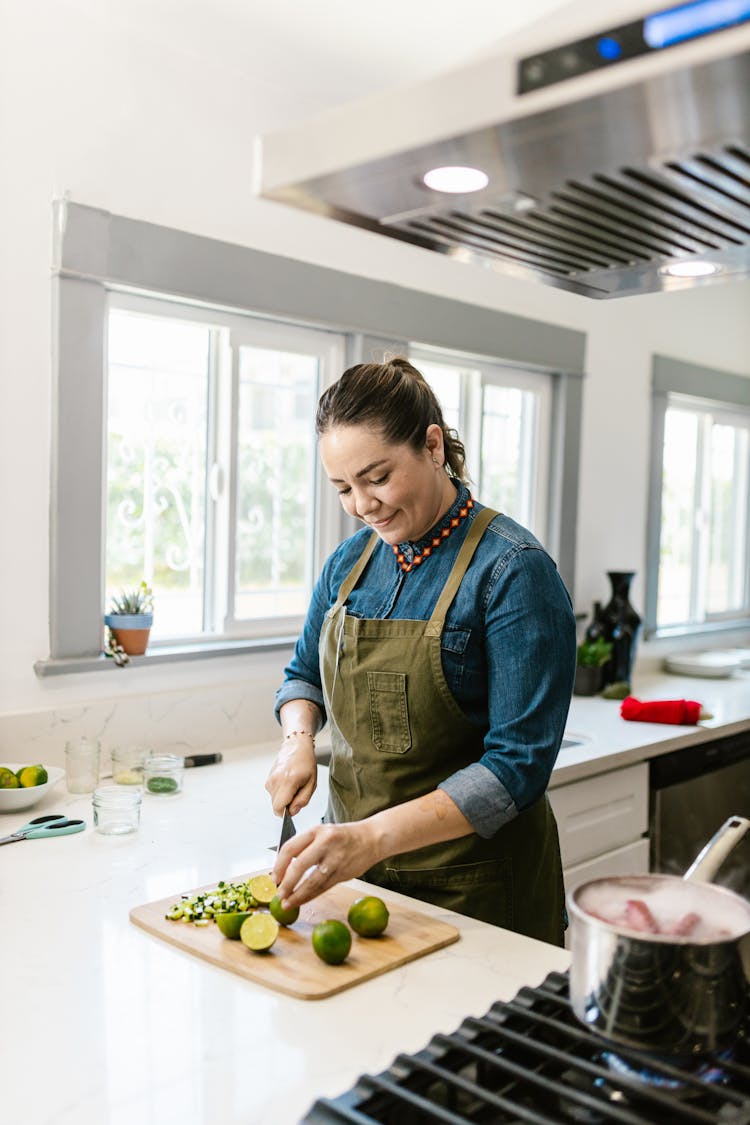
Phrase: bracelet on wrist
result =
(294, 733)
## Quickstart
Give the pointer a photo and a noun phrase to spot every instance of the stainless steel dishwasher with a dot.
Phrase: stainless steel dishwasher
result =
(693, 791)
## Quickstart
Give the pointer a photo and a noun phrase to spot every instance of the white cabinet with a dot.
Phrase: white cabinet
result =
(602, 822)
(630, 860)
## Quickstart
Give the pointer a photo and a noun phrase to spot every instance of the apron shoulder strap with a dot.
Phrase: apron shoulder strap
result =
(478, 527)
(355, 573)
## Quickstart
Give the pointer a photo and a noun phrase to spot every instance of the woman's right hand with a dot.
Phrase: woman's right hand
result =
(294, 775)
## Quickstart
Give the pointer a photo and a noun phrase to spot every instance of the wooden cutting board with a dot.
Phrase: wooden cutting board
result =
(291, 965)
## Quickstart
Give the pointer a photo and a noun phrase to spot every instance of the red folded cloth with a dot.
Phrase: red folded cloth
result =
(682, 712)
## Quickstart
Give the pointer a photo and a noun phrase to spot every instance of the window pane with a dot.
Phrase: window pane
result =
(503, 457)
(156, 465)
(446, 383)
(728, 483)
(677, 517)
(276, 482)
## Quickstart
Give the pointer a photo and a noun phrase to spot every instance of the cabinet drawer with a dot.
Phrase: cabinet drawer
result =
(630, 860)
(601, 813)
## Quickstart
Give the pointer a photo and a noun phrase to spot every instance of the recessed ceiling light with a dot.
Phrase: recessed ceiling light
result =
(691, 269)
(456, 179)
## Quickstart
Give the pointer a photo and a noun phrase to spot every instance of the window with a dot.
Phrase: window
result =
(503, 416)
(699, 519)
(215, 494)
(703, 559)
(212, 491)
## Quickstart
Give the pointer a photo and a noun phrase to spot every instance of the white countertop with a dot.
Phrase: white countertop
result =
(611, 742)
(104, 1024)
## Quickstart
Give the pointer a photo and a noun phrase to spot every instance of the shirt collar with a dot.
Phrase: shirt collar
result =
(462, 495)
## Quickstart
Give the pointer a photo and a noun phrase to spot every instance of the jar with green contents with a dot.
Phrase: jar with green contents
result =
(163, 774)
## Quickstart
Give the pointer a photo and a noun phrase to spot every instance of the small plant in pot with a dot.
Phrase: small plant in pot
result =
(592, 658)
(129, 621)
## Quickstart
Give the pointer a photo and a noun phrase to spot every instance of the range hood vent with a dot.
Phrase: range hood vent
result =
(597, 184)
(696, 206)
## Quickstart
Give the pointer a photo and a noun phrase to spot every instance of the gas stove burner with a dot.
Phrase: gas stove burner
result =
(529, 1060)
(705, 1070)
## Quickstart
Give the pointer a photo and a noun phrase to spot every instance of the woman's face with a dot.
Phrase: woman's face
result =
(397, 490)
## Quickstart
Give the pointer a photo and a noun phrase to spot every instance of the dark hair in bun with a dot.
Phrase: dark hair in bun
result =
(394, 398)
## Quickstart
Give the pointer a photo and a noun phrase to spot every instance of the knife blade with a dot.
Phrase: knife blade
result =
(287, 829)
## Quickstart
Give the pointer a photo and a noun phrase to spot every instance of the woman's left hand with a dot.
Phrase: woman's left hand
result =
(315, 860)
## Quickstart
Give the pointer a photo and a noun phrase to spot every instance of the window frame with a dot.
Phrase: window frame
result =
(241, 329)
(96, 253)
(704, 389)
(490, 371)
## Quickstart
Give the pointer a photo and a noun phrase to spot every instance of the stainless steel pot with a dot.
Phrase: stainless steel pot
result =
(662, 992)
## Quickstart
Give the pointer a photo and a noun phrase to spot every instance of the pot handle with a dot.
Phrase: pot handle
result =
(707, 863)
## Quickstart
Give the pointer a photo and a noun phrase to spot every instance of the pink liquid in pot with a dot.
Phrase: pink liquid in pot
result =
(666, 908)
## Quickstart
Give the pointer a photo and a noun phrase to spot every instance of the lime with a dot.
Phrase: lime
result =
(231, 924)
(262, 888)
(8, 779)
(332, 941)
(368, 916)
(259, 932)
(286, 917)
(31, 775)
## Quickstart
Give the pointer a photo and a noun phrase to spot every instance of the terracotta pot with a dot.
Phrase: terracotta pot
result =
(130, 631)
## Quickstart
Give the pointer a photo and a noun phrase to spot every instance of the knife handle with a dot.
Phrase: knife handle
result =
(202, 760)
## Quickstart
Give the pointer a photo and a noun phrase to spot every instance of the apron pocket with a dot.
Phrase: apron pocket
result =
(482, 890)
(389, 715)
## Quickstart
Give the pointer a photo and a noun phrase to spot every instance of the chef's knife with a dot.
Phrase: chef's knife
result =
(287, 828)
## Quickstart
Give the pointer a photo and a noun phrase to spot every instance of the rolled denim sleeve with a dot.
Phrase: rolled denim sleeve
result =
(530, 645)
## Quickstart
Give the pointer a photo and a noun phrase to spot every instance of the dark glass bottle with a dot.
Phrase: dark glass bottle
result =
(595, 630)
(621, 626)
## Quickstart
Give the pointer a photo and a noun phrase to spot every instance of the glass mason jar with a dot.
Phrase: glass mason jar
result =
(163, 774)
(127, 764)
(82, 765)
(117, 810)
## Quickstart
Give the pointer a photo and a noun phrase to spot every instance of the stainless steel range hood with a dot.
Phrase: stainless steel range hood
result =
(609, 158)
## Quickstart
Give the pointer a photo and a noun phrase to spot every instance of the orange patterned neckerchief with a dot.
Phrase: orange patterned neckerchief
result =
(436, 540)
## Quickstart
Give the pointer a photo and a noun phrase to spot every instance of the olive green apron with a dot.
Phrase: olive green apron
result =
(397, 732)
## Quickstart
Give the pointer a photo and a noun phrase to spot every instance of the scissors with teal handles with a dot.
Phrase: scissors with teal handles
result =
(43, 827)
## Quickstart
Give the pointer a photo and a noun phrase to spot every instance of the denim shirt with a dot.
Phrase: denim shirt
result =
(508, 651)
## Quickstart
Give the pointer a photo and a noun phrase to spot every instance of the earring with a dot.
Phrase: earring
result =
(435, 461)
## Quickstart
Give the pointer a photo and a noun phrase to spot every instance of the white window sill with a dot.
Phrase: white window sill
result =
(161, 654)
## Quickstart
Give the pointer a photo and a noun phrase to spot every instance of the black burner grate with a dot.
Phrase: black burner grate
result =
(531, 1061)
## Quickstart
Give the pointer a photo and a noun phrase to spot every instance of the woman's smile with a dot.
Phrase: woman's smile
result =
(397, 490)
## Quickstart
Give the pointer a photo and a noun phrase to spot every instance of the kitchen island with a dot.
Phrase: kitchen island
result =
(103, 1023)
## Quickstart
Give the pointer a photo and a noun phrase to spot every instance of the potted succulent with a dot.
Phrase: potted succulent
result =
(592, 658)
(129, 622)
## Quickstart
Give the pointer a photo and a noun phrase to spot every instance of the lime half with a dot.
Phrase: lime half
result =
(262, 888)
(259, 932)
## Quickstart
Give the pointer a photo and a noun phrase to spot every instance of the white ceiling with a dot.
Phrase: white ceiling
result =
(294, 58)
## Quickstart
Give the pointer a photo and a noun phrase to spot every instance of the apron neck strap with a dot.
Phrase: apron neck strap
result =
(478, 527)
(355, 573)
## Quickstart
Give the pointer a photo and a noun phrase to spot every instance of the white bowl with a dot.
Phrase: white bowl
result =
(13, 800)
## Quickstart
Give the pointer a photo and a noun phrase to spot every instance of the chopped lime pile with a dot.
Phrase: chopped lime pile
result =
(226, 898)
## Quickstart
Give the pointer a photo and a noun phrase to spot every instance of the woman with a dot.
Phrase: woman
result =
(440, 646)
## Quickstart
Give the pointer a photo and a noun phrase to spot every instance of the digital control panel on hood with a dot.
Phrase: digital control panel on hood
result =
(614, 159)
